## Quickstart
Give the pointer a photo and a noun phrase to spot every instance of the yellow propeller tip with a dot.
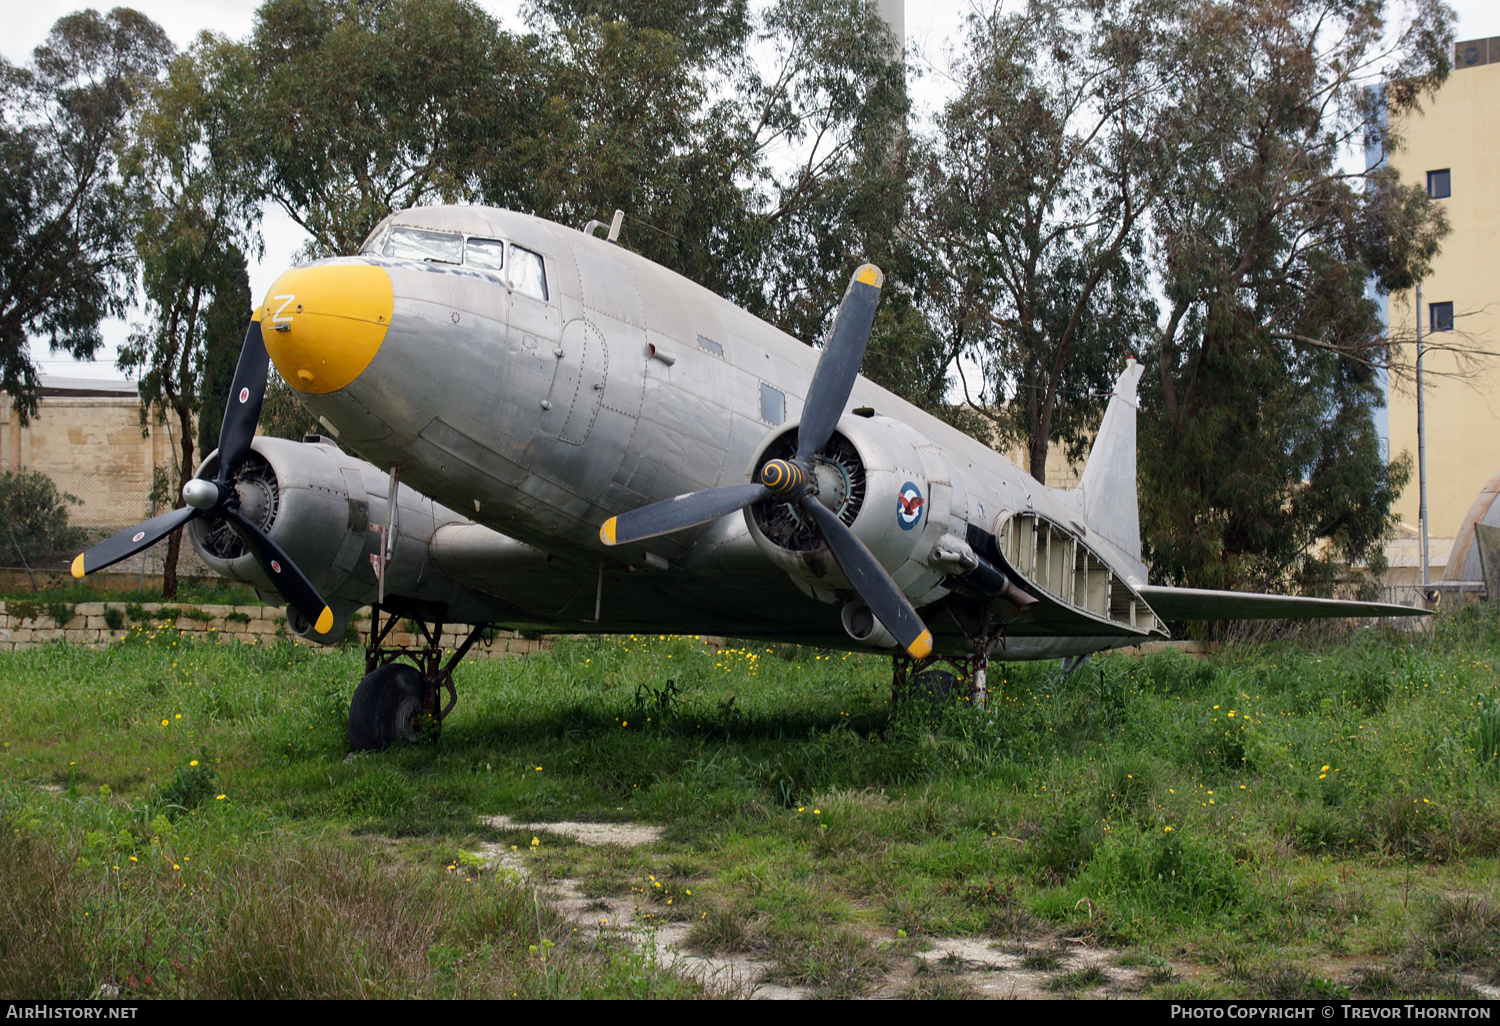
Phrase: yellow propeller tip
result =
(869, 274)
(325, 621)
(922, 647)
(78, 570)
(607, 532)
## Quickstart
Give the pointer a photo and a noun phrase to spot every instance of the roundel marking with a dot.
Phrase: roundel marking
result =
(909, 505)
(138, 536)
(275, 566)
(244, 395)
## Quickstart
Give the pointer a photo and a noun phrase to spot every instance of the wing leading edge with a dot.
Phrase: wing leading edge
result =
(1196, 604)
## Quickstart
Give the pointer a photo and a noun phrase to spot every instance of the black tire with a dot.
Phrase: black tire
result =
(937, 686)
(387, 710)
(932, 687)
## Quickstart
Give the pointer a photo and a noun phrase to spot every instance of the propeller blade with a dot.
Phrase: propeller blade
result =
(871, 581)
(839, 365)
(290, 581)
(680, 513)
(242, 410)
(131, 540)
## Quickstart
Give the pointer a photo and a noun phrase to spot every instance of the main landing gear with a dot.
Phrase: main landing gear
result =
(966, 676)
(401, 702)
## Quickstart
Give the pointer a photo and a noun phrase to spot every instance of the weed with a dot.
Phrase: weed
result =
(1460, 932)
(1485, 736)
(1079, 979)
(191, 786)
(1168, 876)
(834, 962)
(114, 617)
(1280, 981)
(657, 703)
(1043, 960)
(1066, 842)
(720, 931)
(939, 988)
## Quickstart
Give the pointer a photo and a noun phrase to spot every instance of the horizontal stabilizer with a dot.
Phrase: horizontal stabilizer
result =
(1193, 604)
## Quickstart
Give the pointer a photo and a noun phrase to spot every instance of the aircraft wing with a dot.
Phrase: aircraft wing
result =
(1196, 604)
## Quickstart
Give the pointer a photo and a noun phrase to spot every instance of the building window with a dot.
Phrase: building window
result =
(1440, 317)
(1440, 184)
(772, 405)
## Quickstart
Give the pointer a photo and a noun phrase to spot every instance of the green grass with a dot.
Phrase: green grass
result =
(1259, 816)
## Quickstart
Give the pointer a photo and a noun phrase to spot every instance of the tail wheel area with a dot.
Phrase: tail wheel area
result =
(387, 709)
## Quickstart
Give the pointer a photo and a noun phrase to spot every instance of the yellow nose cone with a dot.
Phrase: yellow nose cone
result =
(324, 324)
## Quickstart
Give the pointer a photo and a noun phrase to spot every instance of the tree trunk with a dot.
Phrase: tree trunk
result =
(184, 475)
(1036, 451)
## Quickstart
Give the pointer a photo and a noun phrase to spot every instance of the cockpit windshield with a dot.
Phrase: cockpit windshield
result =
(419, 244)
(487, 254)
(524, 270)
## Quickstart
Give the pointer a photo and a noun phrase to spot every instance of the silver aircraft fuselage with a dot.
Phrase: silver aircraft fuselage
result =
(539, 381)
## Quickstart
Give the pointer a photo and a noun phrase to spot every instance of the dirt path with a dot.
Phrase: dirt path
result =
(973, 966)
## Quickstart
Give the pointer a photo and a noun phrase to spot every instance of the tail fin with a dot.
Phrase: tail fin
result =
(1106, 494)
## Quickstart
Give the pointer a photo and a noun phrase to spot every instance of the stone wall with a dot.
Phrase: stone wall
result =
(26, 623)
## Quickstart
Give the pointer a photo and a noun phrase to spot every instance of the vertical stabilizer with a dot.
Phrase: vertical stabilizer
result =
(1106, 494)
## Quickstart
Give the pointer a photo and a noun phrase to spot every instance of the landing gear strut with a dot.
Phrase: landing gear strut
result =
(401, 703)
(912, 677)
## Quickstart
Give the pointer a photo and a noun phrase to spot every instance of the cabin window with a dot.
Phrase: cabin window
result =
(772, 405)
(417, 244)
(375, 243)
(527, 275)
(487, 254)
(708, 345)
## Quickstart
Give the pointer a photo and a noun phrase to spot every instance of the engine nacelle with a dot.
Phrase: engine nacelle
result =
(312, 500)
(879, 476)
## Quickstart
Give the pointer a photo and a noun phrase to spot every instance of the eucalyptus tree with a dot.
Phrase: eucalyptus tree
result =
(349, 111)
(66, 255)
(1261, 464)
(759, 154)
(1036, 189)
(197, 212)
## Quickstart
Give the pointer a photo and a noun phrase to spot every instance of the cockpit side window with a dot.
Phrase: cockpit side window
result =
(418, 244)
(375, 243)
(527, 274)
(486, 254)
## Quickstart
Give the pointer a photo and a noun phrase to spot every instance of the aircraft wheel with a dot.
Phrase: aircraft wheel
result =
(936, 685)
(387, 709)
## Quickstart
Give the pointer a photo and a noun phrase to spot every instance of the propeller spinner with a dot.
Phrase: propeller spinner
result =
(219, 500)
(792, 480)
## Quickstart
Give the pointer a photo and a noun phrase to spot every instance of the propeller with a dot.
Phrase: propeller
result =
(792, 481)
(219, 499)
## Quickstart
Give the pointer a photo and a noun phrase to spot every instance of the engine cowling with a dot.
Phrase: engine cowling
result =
(872, 474)
(311, 499)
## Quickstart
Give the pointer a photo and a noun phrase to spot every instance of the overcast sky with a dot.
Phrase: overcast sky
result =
(932, 26)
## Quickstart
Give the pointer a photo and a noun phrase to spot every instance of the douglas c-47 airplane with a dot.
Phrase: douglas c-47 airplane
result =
(558, 434)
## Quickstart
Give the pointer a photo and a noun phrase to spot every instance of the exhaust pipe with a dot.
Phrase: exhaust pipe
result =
(862, 625)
